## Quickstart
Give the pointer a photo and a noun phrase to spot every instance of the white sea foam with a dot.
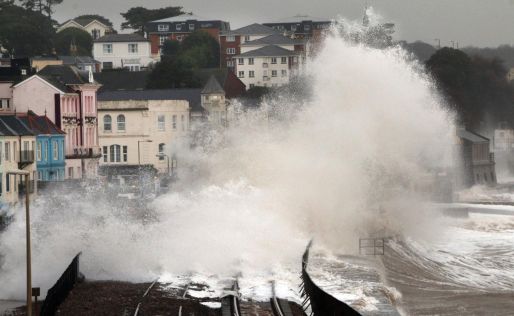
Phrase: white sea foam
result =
(250, 199)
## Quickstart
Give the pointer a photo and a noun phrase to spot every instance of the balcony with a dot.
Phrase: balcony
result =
(26, 158)
(83, 152)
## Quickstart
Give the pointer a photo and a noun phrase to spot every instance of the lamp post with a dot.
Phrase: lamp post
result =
(139, 152)
(27, 235)
(161, 155)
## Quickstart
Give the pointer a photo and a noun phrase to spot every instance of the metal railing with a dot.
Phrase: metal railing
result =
(371, 246)
(321, 303)
(58, 293)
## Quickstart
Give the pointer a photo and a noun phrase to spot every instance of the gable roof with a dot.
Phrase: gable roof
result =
(54, 85)
(39, 125)
(268, 51)
(470, 136)
(299, 18)
(183, 18)
(61, 76)
(274, 39)
(212, 86)
(84, 22)
(121, 38)
(252, 29)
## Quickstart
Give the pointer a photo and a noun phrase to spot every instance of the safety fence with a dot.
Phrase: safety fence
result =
(58, 293)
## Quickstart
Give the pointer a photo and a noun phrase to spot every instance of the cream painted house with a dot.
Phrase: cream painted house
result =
(17, 145)
(140, 128)
(6, 96)
(94, 27)
(131, 51)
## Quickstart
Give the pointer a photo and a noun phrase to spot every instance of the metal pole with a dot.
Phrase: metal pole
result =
(29, 267)
(138, 155)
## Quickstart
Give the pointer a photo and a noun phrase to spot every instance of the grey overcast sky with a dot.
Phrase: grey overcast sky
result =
(469, 22)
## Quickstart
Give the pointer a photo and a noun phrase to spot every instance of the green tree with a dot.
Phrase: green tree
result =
(42, 6)
(172, 73)
(98, 17)
(80, 39)
(202, 48)
(476, 88)
(136, 18)
(25, 32)
(170, 48)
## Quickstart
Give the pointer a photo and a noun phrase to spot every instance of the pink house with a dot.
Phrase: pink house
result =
(67, 96)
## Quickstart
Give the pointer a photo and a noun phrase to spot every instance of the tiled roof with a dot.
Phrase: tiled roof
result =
(183, 18)
(252, 29)
(268, 51)
(275, 39)
(60, 76)
(120, 38)
(300, 18)
(40, 125)
(213, 86)
(10, 125)
(84, 21)
(122, 80)
(73, 60)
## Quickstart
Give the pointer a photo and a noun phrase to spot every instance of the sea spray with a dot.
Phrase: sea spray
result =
(250, 196)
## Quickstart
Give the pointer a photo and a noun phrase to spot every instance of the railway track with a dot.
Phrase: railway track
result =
(232, 305)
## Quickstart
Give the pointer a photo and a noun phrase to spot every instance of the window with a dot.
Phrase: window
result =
(132, 48)
(40, 175)
(107, 48)
(121, 122)
(70, 172)
(273, 60)
(191, 26)
(107, 65)
(283, 60)
(105, 153)
(293, 28)
(4, 103)
(240, 61)
(125, 153)
(307, 27)
(160, 123)
(231, 51)
(7, 151)
(231, 38)
(162, 39)
(284, 73)
(161, 151)
(107, 123)
(115, 153)
(241, 74)
(134, 68)
(38, 151)
(56, 150)
(7, 183)
(182, 123)
(174, 121)
(273, 73)
(251, 74)
(230, 63)
(178, 26)
(247, 38)
(95, 33)
(163, 27)
(250, 61)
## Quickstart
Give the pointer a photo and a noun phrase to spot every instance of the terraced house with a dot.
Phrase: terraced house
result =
(17, 144)
(49, 151)
(67, 96)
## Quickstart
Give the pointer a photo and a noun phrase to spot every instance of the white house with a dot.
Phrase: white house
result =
(130, 51)
(269, 66)
(141, 127)
(94, 27)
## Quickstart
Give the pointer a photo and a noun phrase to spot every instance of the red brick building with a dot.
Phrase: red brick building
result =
(178, 27)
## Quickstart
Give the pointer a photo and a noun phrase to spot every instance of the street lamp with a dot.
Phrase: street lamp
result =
(138, 150)
(161, 155)
(27, 235)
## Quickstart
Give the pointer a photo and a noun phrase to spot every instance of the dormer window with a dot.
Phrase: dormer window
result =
(163, 27)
